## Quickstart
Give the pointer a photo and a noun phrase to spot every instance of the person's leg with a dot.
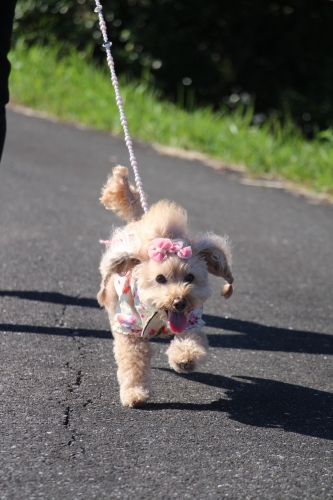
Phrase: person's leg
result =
(6, 26)
(2, 128)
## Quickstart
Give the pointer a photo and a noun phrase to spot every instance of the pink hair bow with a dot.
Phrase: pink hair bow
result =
(163, 247)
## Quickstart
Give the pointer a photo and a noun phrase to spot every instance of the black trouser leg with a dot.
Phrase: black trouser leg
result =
(6, 26)
(2, 128)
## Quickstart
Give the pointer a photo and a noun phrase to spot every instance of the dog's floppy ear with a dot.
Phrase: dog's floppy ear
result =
(215, 250)
(121, 263)
(118, 263)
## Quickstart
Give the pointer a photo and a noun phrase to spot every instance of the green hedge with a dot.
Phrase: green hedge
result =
(276, 54)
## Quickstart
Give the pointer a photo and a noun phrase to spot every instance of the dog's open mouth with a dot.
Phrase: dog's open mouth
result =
(177, 321)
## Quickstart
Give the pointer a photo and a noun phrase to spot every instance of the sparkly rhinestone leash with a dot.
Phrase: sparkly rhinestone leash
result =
(114, 80)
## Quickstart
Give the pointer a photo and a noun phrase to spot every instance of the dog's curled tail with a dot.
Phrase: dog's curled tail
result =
(120, 196)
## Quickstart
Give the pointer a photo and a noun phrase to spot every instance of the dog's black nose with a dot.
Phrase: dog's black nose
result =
(179, 304)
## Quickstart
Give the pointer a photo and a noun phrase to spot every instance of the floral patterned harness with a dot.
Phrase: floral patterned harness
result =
(134, 318)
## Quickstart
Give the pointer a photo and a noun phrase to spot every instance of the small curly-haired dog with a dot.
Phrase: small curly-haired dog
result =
(154, 284)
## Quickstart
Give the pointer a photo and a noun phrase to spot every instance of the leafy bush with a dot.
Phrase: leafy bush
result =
(277, 54)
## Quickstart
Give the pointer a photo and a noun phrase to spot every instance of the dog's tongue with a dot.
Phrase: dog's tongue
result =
(177, 322)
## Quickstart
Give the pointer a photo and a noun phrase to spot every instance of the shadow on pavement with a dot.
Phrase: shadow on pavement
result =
(52, 297)
(264, 403)
(247, 334)
(55, 330)
(257, 337)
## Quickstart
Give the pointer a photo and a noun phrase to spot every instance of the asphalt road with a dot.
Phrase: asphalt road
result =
(255, 423)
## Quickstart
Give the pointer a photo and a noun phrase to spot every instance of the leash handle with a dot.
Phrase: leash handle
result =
(107, 45)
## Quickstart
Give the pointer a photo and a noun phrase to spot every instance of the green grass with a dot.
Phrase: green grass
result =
(77, 92)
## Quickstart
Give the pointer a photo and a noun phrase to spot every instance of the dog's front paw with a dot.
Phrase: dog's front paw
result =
(186, 367)
(187, 352)
(133, 396)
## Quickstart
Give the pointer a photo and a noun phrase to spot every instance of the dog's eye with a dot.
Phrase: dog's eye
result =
(189, 278)
(161, 279)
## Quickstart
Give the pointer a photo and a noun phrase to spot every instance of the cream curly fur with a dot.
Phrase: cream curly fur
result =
(128, 253)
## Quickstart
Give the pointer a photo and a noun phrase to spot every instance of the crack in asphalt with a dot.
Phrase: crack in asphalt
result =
(72, 395)
(66, 415)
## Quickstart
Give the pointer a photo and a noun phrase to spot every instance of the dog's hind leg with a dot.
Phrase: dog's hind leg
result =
(188, 351)
(133, 355)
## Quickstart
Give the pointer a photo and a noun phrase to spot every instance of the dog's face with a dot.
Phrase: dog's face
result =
(174, 287)
(171, 275)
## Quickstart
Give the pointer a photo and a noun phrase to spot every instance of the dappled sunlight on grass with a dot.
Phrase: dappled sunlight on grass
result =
(76, 92)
